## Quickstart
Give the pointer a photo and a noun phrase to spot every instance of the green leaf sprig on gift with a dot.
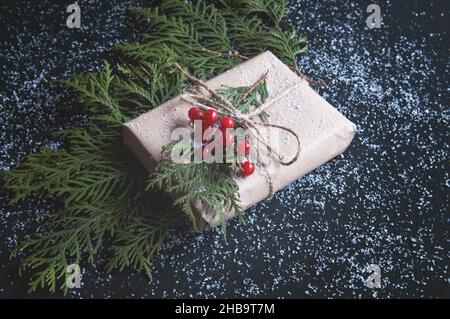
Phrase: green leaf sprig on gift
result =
(106, 202)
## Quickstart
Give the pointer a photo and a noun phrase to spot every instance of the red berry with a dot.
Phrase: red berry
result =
(210, 117)
(228, 138)
(248, 168)
(227, 122)
(195, 114)
(244, 148)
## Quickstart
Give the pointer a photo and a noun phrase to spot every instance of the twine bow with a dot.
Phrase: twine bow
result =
(248, 120)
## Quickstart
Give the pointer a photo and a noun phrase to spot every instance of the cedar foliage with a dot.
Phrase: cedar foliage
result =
(102, 188)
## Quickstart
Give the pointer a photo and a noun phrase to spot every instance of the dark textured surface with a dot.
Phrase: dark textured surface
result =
(383, 202)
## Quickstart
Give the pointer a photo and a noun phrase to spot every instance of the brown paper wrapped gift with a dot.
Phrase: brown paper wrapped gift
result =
(323, 131)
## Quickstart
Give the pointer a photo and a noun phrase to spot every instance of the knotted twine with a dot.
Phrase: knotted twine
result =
(247, 120)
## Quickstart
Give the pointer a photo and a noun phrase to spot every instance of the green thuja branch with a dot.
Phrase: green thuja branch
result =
(78, 231)
(256, 99)
(253, 36)
(275, 10)
(102, 190)
(208, 22)
(140, 239)
(93, 91)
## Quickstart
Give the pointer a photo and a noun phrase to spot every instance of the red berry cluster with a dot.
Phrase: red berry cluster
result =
(210, 118)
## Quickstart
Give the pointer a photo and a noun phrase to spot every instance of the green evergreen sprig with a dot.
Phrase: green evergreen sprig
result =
(101, 186)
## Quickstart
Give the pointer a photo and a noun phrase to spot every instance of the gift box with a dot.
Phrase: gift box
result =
(323, 131)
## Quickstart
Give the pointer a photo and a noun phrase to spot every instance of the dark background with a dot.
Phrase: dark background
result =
(384, 201)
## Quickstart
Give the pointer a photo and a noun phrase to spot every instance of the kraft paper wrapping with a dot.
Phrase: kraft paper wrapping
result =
(323, 131)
